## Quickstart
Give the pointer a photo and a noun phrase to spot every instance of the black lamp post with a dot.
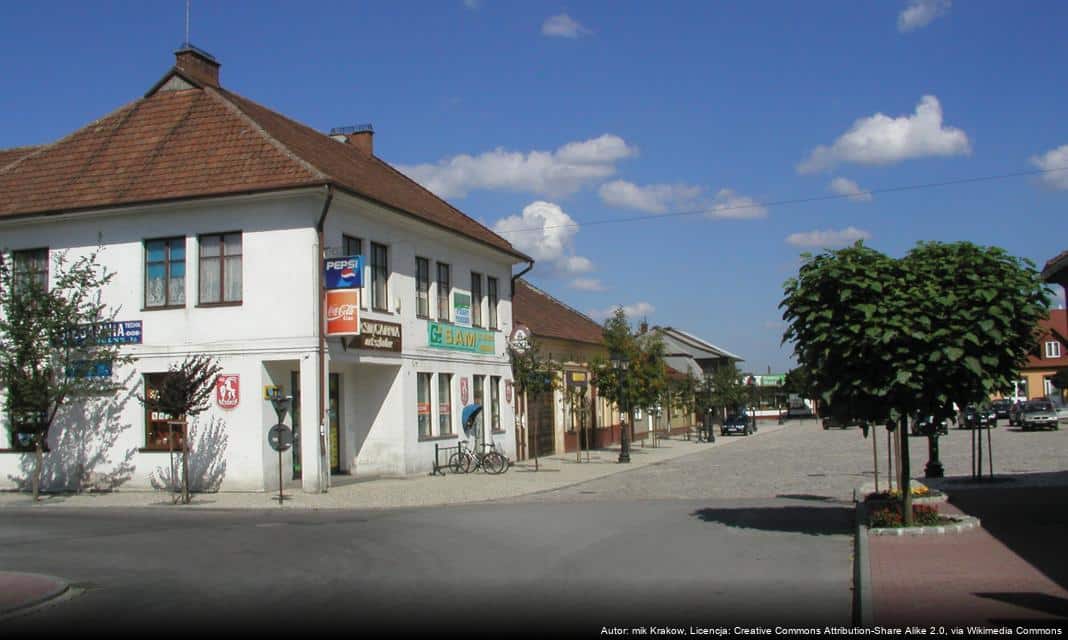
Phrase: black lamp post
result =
(620, 363)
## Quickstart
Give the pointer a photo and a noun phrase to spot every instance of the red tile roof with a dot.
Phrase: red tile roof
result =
(547, 317)
(206, 141)
(7, 156)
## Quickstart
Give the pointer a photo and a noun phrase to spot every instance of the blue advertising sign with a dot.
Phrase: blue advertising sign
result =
(343, 273)
(121, 332)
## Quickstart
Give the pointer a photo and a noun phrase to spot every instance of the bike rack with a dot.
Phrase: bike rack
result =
(439, 467)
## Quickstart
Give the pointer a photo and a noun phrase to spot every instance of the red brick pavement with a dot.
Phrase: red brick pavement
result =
(940, 580)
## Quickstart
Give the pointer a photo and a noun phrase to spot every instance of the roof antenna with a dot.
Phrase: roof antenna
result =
(187, 22)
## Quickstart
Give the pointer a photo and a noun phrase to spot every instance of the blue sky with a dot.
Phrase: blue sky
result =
(560, 123)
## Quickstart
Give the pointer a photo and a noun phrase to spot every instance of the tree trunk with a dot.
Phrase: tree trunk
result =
(38, 456)
(185, 464)
(906, 489)
(875, 455)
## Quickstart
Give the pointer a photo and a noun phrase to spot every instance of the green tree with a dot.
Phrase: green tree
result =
(885, 339)
(727, 391)
(184, 393)
(54, 346)
(643, 384)
(532, 374)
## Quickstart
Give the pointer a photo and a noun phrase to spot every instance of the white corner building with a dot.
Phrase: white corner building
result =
(216, 213)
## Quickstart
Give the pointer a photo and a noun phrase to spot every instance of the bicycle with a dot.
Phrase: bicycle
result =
(490, 460)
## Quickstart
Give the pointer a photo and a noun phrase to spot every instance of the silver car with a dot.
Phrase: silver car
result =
(1037, 414)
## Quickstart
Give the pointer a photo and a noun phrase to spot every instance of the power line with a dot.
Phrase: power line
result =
(774, 203)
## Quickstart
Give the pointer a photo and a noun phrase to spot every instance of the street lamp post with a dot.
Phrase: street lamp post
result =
(620, 363)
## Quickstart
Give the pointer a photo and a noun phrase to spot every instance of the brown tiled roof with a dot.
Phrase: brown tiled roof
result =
(547, 317)
(7, 156)
(1056, 270)
(1052, 329)
(207, 141)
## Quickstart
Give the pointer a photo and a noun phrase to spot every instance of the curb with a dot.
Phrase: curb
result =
(964, 523)
(863, 606)
(58, 588)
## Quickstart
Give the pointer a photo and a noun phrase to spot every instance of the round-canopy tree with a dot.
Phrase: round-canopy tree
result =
(884, 339)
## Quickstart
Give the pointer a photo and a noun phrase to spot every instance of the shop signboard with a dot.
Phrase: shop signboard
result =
(343, 273)
(520, 338)
(120, 332)
(578, 379)
(461, 308)
(447, 336)
(228, 390)
(343, 312)
(379, 336)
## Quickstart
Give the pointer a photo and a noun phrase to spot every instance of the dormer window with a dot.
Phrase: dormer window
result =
(1053, 349)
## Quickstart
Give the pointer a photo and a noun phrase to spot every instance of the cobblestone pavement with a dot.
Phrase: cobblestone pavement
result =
(803, 460)
(798, 459)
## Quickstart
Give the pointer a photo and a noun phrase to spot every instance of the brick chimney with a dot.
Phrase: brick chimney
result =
(360, 136)
(198, 65)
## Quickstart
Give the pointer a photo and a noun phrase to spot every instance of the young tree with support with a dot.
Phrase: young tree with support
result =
(887, 339)
(184, 393)
(55, 345)
(531, 375)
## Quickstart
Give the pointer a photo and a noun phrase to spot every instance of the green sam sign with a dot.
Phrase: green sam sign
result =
(447, 336)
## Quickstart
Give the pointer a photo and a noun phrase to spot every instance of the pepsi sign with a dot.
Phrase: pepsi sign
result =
(343, 273)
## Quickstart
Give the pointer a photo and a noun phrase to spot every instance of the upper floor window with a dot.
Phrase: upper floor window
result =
(220, 268)
(165, 272)
(30, 268)
(476, 299)
(491, 285)
(422, 287)
(351, 246)
(379, 276)
(444, 292)
(1053, 349)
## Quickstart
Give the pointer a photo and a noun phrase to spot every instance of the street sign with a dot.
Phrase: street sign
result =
(280, 438)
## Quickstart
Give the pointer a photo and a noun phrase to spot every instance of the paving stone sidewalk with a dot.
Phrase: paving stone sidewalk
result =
(553, 472)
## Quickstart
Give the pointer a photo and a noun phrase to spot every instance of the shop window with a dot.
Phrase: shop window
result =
(423, 404)
(422, 287)
(495, 403)
(30, 268)
(164, 273)
(476, 299)
(1053, 349)
(444, 292)
(162, 430)
(444, 404)
(379, 277)
(491, 290)
(220, 268)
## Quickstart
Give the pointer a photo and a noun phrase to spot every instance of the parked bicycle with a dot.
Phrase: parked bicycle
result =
(489, 459)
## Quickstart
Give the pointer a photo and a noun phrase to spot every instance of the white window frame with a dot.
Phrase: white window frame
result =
(1053, 349)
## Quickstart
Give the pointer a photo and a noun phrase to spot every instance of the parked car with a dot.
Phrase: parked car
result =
(737, 423)
(839, 422)
(926, 425)
(1037, 414)
(977, 416)
(1001, 407)
(1061, 407)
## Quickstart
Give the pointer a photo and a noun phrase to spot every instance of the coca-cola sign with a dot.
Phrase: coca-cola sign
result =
(343, 313)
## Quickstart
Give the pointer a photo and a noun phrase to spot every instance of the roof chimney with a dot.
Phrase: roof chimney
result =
(360, 136)
(197, 65)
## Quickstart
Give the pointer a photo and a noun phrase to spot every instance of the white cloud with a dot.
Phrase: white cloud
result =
(881, 140)
(563, 26)
(828, 239)
(635, 312)
(587, 284)
(546, 233)
(728, 204)
(653, 198)
(548, 173)
(920, 13)
(1056, 162)
(845, 187)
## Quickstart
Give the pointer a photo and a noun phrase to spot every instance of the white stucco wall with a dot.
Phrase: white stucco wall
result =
(269, 335)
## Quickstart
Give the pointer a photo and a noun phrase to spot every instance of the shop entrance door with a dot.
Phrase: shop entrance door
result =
(334, 402)
(540, 433)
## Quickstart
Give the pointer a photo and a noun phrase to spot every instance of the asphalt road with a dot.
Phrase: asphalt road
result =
(757, 533)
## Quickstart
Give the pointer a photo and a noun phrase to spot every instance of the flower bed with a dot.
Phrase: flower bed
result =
(888, 515)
